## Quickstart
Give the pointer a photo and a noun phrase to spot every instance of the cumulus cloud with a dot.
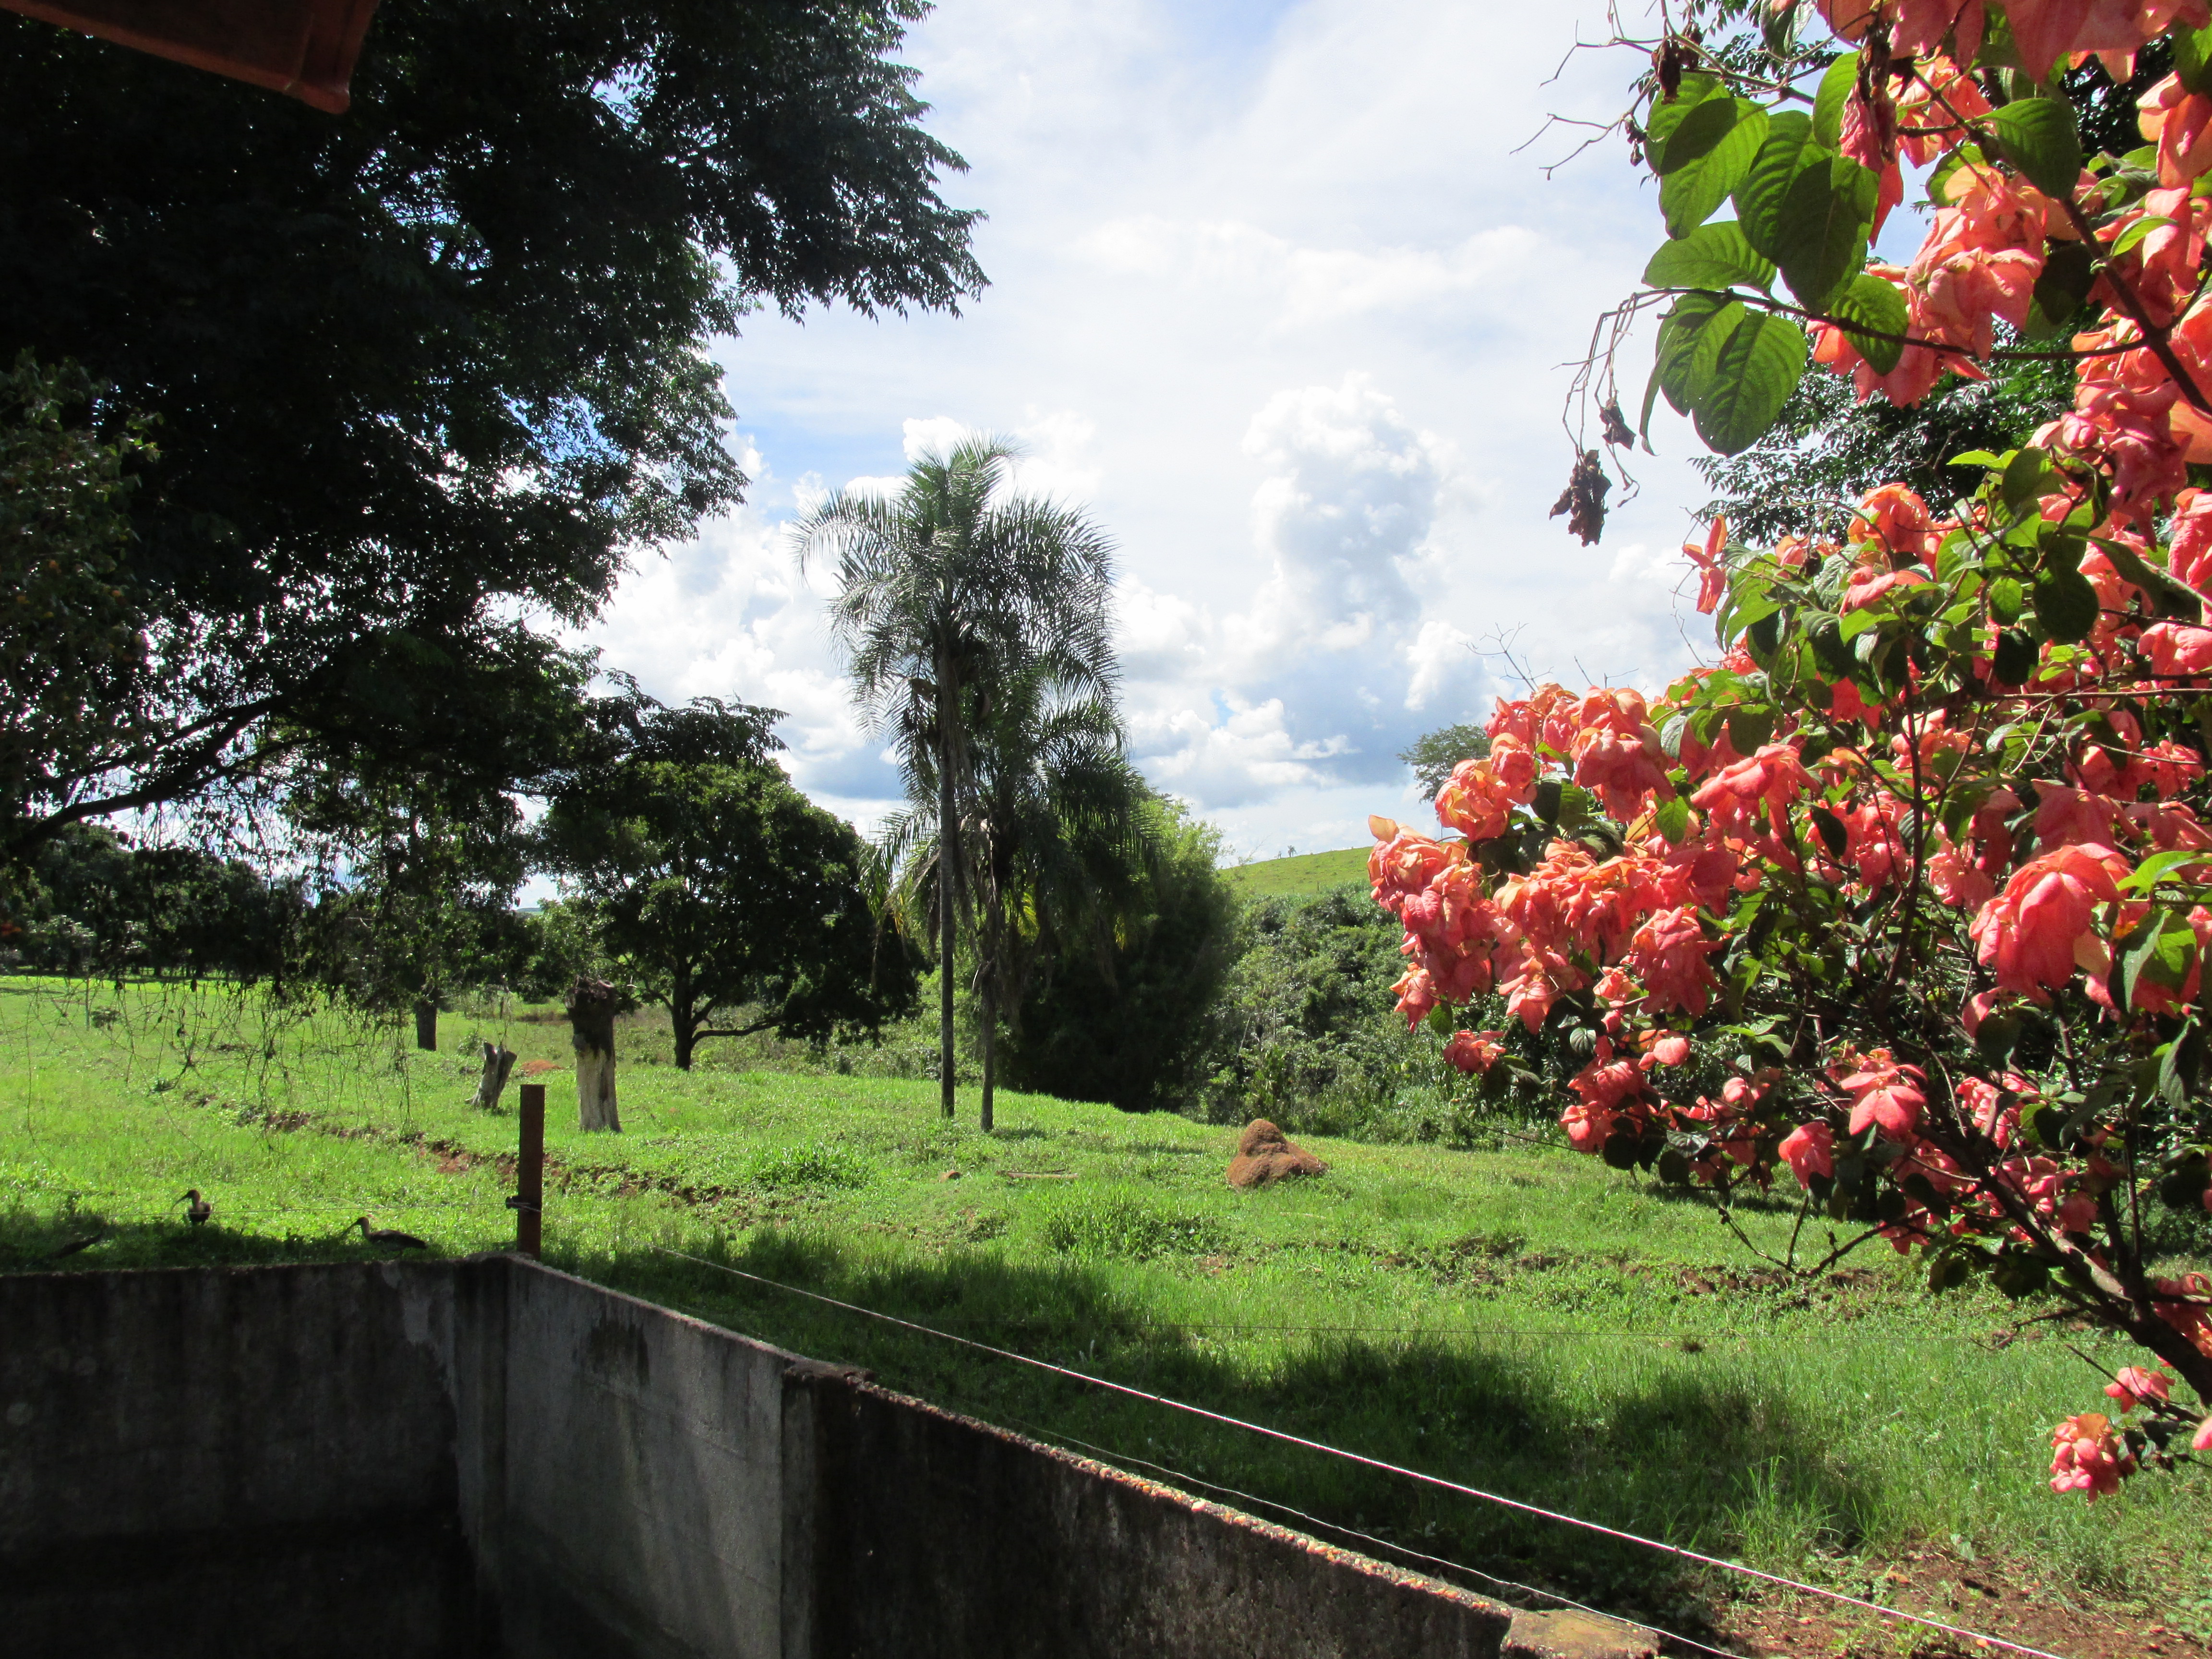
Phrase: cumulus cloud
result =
(1328, 672)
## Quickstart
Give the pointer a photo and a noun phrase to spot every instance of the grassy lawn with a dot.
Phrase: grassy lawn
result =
(1524, 1321)
(1303, 874)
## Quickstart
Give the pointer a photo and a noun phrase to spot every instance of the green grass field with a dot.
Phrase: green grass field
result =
(1300, 874)
(1524, 1321)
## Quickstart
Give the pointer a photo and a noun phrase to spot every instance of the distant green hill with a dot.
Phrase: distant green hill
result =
(1307, 872)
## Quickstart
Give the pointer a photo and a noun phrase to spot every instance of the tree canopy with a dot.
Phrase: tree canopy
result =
(717, 886)
(425, 372)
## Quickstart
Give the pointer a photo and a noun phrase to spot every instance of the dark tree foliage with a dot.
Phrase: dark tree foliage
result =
(1807, 475)
(1433, 754)
(94, 904)
(440, 363)
(717, 886)
(1310, 1023)
(1138, 1021)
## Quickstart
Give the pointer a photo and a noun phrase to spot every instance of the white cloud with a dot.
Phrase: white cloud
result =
(1274, 300)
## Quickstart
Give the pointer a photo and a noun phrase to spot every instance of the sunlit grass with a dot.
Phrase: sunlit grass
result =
(1525, 1321)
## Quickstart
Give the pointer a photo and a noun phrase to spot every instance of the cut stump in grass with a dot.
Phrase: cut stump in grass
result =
(491, 1083)
(591, 1004)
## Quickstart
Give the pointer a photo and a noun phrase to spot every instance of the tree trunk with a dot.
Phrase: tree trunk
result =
(948, 859)
(990, 1050)
(592, 1030)
(426, 1024)
(498, 1063)
(683, 1020)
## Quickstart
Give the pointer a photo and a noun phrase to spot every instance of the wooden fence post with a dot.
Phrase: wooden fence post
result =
(528, 1201)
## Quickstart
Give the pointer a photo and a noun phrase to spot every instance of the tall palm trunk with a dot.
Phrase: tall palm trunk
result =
(948, 862)
(990, 1049)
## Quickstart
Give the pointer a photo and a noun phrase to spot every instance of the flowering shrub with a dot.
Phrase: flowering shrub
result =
(1927, 852)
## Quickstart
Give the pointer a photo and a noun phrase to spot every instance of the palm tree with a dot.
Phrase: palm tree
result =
(1052, 837)
(950, 593)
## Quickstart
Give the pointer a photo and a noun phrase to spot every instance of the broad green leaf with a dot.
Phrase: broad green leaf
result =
(1699, 364)
(2136, 231)
(2006, 597)
(2023, 477)
(2192, 59)
(1758, 194)
(2038, 136)
(1673, 819)
(2066, 605)
(1869, 299)
(1821, 227)
(1975, 457)
(1679, 333)
(1752, 375)
(2069, 268)
(1667, 118)
(1695, 184)
(2014, 660)
(1714, 256)
(1828, 102)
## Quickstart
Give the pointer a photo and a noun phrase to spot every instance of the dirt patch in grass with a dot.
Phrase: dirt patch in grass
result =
(2008, 1600)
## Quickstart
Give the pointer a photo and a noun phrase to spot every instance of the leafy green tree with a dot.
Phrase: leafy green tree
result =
(716, 886)
(94, 902)
(78, 677)
(1433, 754)
(1136, 1016)
(419, 896)
(440, 362)
(949, 594)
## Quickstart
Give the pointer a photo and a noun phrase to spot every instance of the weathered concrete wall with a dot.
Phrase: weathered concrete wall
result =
(188, 1457)
(937, 1537)
(488, 1457)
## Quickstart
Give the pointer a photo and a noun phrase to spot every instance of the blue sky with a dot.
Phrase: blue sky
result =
(1274, 300)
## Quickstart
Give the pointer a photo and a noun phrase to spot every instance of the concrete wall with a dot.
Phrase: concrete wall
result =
(187, 1454)
(488, 1457)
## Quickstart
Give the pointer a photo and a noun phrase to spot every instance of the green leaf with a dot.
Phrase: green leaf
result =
(2006, 599)
(1869, 299)
(2192, 59)
(2066, 605)
(2038, 137)
(1695, 184)
(2023, 477)
(1828, 102)
(1715, 256)
(1834, 835)
(1698, 87)
(2014, 658)
(1752, 375)
(1806, 208)
(1673, 819)
(1974, 457)
(1699, 364)
(1749, 728)
(1679, 334)
(2134, 233)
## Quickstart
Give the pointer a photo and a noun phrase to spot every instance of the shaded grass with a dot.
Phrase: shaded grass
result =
(1522, 1321)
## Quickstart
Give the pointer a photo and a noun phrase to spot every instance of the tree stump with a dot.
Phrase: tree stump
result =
(591, 1004)
(426, 1024)
(498, 1063)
